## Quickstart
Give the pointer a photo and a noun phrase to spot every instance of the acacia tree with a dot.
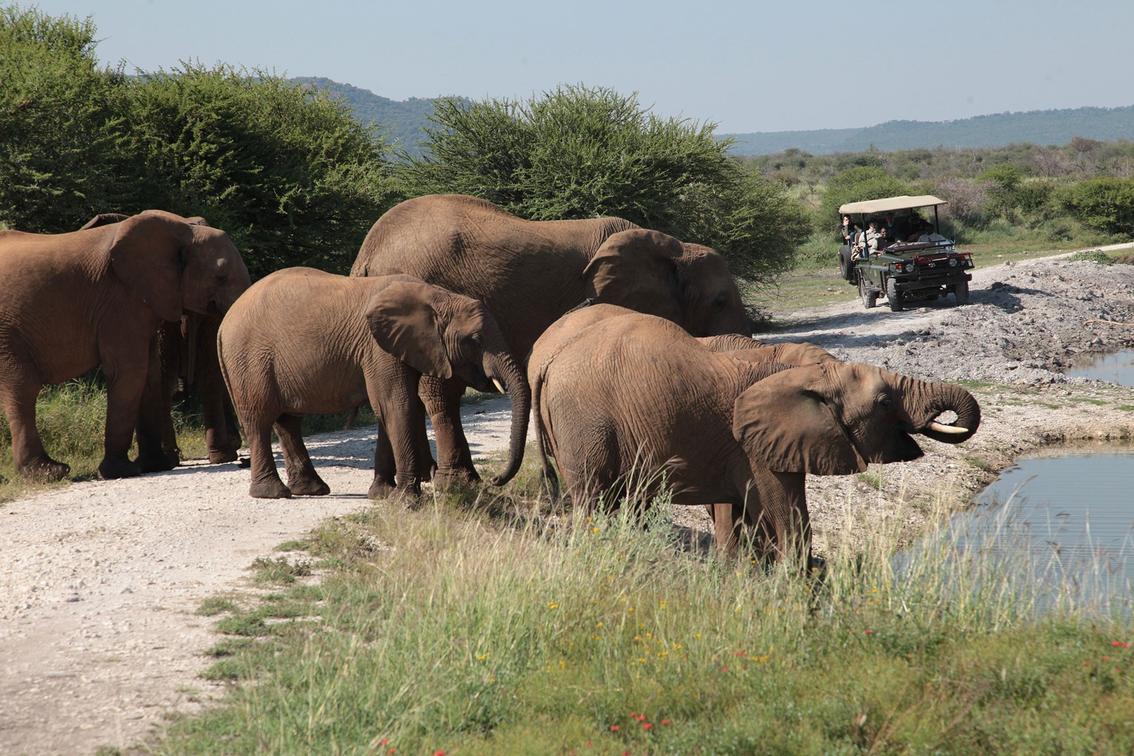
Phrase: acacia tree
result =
(57, 137)
(577, 152)
(291, 176)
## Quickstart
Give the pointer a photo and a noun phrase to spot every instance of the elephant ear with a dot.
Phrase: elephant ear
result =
(637, 269)
(405, 323)
(147, 256)
(786, 424)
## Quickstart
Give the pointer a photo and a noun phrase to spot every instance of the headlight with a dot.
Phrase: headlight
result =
(952, 262)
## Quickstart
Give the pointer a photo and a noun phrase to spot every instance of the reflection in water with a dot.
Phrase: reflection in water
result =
(1063, 526)
(1117, 367)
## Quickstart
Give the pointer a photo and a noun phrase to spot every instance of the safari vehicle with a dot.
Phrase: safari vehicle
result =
(918, 265)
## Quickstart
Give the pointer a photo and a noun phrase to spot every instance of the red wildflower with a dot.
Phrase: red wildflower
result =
(1120, 644)
(392, 751)
(384, 742)
(438, 752)
(647, 726)
(665, 723)
(724, 669)
(615, 728)
(634, 715)
(869, 632)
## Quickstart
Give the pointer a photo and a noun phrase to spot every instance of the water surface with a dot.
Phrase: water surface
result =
(1116, 367)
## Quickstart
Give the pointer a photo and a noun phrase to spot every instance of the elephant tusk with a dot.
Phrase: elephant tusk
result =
(942, 428)
(499, 386)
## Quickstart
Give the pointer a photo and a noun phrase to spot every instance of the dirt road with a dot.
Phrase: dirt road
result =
(98, 636)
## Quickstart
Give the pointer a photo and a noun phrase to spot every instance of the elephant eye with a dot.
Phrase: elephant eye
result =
(721, 300)
(885, 400)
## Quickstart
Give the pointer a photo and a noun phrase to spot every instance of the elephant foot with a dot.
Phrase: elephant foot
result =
(380, 489)
(269, 489)
(219, 456)
(158, 462)
(112, 469)
(45, 470)
(454, 477)
(308, 487)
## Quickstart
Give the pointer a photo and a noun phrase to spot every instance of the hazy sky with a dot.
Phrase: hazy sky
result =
(749, 66)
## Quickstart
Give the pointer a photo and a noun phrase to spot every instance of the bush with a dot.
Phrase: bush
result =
(56, 117)
(855, 185)
(289, 173)
(578, 152)
(1104, 204)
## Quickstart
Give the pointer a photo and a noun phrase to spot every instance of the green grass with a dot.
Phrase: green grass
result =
(71, 418)
(474, 626)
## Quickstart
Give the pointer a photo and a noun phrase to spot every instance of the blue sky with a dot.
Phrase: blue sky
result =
(749, 66)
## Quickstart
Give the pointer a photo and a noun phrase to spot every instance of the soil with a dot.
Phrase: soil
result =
(99, 640)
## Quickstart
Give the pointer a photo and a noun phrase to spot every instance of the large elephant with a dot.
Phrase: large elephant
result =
(184, 353)
(303, 341)
(631, 393)
(528, 273)
(96, 297)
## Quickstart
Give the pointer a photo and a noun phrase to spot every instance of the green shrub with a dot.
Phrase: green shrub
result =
(854, 185)
(289, 173)
(577, 152)
(57, 141)
(1104, 204)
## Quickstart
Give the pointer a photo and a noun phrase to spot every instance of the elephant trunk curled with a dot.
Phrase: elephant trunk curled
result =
(932, 399)
(516, 385)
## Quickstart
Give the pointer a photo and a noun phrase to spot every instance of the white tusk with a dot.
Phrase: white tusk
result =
(942, 428)
(499, 386)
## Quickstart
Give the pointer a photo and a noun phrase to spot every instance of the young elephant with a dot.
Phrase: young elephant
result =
(303, 341)
(626, 389)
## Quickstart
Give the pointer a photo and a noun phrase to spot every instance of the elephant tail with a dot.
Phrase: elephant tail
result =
(543, 438)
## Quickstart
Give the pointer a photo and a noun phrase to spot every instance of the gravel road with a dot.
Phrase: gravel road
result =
(98, 637)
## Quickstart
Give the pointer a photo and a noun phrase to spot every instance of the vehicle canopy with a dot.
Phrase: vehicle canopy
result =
(891, 204)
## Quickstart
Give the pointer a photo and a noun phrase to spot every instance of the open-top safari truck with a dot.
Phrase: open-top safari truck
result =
(903, 257)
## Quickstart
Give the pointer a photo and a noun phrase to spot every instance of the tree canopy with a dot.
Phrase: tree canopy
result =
(578, 152)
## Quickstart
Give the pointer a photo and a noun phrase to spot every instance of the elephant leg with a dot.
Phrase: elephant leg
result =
(125, 385)
(782, 519)
(395, 401)
(18, 400)
(727, 519)
(302, 480)
(221, 438)
(454, 458)
(385, 470)
(266, 483)
(157, 441)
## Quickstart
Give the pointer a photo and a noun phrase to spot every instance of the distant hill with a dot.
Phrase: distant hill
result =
(399, 121)
(402, 121)
(1037, 127)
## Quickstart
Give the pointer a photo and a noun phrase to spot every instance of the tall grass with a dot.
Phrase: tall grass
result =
(489, 628)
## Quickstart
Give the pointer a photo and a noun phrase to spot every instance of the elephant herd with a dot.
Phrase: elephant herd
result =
(629, 348)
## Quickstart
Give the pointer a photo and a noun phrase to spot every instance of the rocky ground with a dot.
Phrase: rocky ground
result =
(98, 636)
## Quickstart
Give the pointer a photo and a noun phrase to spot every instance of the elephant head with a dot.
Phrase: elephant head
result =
(442, 334)
(174, 264)
(654, 273)
(835, 417)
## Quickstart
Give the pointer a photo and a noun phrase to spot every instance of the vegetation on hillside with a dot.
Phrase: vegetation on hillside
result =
(577, 152)
(1055, 127)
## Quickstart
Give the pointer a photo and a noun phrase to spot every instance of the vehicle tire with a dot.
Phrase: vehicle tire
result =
(961, 292)
(892, 296)
(846, 265)
(868, 293)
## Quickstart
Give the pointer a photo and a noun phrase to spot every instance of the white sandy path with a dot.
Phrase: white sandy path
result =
(100, 581)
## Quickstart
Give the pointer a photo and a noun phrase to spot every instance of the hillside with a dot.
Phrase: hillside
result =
(399, 121)
(1042, 127)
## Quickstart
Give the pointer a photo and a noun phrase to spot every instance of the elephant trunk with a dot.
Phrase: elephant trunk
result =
(505, 369)
(934, 398)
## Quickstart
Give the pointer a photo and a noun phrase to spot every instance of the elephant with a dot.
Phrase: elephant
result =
(621, 393)
(303, 341)
(529, 273)
(183, 352)
(752, 350)
(96, 297)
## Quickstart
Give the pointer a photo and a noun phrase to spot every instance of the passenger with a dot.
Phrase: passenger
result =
(883, 238)
(928, 234)
(868, 239)
(916, 228)
(847, 230)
